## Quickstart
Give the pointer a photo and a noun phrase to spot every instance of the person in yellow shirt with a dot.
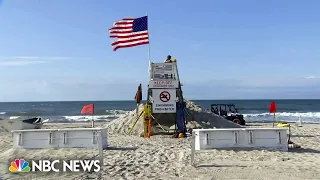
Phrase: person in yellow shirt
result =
(169, 59)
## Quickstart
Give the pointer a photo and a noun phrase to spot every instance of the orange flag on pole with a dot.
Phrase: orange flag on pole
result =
(273, 107)
(87, 109)
(138, 96)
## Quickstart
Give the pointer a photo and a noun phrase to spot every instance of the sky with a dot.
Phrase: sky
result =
(60, 50)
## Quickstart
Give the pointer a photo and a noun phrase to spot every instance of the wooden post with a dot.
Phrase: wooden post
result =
(147, 120)
(289, 138)
(100, 147)
(135, 122)
(92, 121)
(274, 119)
(149, 128)
(137, 110)
(300, 122)
(193, 149)
(145, 123)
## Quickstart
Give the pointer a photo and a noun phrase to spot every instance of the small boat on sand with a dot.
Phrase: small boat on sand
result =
(20, 123)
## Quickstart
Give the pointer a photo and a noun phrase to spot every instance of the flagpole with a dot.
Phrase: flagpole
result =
(274, 119)
(92, 121)
(149, 58)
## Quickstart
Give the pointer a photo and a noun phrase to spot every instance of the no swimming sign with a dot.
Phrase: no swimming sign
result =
(164, 100)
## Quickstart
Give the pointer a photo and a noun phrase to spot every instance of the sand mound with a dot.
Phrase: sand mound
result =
(197, 118)
(123, 124)
(201, 118)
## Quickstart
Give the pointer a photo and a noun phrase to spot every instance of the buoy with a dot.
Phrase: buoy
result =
(299, 122)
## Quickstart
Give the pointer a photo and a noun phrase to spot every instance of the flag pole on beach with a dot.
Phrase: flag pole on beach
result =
(149, 55)
(273, 109)
(137, 109)
(300, 122)
(88, 110)
(130, 32)
(92, 121)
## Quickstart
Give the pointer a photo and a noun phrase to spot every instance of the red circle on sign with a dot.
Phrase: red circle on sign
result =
(164, 96)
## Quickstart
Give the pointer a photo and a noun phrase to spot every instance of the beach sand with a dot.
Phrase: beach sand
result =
(162, 157)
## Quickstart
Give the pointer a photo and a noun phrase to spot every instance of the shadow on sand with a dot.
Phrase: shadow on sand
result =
(290, 150)
(253, 125)
(296, 135)
(216, 165)
(121, 148)
(303, 150)
(238, 149)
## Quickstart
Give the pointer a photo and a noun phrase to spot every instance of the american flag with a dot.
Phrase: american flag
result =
(130, 32)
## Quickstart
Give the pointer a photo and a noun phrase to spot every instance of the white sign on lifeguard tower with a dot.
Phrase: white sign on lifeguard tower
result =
(164, 84)
(164, 100)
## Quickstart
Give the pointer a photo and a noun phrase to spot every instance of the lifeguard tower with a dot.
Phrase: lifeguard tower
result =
(166, 98)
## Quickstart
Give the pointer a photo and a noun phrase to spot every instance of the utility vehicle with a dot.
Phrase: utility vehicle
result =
(228, 111)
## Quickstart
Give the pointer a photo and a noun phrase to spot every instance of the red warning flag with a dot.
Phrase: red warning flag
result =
(87, 109)
(273, 107)
(138, 97)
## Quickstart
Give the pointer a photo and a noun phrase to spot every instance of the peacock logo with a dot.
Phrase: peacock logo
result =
(19, 165)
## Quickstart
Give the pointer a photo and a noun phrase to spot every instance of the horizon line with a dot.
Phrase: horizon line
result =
(146, 100)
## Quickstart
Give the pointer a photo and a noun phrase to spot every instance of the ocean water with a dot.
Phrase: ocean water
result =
(253, 110)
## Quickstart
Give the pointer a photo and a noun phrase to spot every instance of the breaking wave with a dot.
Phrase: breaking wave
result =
(309, 117)
(108, 115)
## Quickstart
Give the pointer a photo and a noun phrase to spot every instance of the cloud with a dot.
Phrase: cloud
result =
(46, 58)
(27, 60)
(310, 77)
(20, 62)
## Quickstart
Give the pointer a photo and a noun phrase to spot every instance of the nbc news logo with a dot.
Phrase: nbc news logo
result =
(20, 165)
